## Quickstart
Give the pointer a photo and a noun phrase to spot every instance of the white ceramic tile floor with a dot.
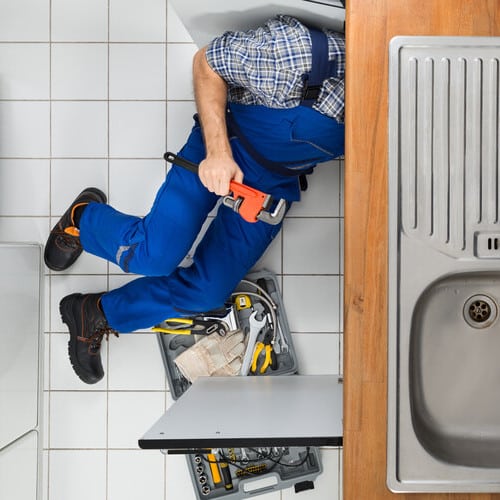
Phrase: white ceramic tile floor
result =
(137, 129)
(28, 182)
(137, 71)
(25, 127)
(25, 21)
(79, 71)
(79, 20)
(132, 21)
(92, 92)
(79, 129)
(25, 70)
(144, 175)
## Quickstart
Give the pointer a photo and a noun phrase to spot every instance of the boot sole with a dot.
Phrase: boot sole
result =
(65, 309)
(101, 199)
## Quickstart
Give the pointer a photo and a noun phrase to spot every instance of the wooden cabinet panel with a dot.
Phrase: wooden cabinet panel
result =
(369, 27)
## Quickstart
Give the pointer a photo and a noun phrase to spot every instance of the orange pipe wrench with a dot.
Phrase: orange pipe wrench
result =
(251, 204)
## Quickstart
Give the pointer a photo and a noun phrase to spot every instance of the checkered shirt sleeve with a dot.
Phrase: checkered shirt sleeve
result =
(266, 66)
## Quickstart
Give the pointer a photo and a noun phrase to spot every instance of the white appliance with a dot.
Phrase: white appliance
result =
(21, 356)
(206, 20)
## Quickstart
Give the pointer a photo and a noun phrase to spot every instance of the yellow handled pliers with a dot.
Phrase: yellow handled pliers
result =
(191, 326)
(261, 362)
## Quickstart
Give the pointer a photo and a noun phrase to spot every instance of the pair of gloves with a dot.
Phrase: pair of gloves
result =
(213, 355)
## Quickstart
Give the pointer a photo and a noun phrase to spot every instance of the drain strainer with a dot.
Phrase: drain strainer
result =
(480, 311)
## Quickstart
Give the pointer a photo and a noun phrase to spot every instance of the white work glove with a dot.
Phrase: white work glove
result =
(213, 355)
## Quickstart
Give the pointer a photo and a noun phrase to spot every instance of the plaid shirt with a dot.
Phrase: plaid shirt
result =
(265, 66)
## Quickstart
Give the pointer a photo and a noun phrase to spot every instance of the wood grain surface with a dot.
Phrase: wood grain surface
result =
(370, 26)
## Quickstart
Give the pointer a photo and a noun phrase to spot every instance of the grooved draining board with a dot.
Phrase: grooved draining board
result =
(448, 139)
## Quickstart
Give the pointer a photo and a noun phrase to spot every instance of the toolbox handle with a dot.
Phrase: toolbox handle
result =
(258, 485)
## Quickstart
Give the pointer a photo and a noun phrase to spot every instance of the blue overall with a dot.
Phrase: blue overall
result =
(154, 246)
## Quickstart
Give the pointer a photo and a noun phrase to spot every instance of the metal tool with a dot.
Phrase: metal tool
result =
(251, 469)
(256, 326)
(244, 457)
(191, 326)
(268, 287)
(248, 202)
(282, 339)
(260, 363)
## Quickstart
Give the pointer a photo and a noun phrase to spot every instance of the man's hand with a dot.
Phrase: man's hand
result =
(217, 171)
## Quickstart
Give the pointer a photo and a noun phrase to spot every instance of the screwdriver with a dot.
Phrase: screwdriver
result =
(214, 469)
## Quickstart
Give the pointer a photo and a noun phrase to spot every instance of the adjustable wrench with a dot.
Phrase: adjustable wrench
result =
(248, 202)
(256, 326)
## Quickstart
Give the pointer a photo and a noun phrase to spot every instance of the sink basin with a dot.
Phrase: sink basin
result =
(454, 373)
(444, 265)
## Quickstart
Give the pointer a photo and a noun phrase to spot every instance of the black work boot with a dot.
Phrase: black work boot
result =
(63, 244)
(87, 326)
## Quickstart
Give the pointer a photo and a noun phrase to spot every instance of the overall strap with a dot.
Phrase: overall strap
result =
(321, 68)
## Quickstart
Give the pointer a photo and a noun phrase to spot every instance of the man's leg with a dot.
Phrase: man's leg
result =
(228, 250)
(153, 245)
(226, 253)
(156, 244)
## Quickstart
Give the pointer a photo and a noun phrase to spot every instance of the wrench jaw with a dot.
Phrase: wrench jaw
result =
(276, 216)
(233, 204)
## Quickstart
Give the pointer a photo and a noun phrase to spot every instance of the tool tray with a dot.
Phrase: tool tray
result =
(267, 470)
(172, 345)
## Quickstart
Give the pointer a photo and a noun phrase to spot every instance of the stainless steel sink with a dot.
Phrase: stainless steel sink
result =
(454, 371)
(444, 265)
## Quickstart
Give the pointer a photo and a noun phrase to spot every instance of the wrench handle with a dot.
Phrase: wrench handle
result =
(181, 162)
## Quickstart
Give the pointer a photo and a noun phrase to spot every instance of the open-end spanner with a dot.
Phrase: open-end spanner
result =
(256, 326)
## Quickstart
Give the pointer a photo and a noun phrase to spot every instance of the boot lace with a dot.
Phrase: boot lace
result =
(67, 240)
(95, 339)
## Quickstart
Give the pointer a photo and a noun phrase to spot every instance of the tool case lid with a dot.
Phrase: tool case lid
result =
(300, 410)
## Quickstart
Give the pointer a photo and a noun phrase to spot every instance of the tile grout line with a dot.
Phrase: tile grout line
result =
(165, 464)
(107, 263)
(49, 359)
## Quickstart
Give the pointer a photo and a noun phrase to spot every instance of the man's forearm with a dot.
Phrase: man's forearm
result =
(218, 168)
(211, 100)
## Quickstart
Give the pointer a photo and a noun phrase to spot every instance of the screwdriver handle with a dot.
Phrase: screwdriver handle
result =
(226, 475)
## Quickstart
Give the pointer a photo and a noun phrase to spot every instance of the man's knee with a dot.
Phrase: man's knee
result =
(194, 299)
(136, 259)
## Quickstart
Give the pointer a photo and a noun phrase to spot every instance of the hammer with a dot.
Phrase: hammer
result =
(251, 204)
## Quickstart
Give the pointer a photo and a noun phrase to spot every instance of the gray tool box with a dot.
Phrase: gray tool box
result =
(251, 472)
(238, 473)
(236, 315)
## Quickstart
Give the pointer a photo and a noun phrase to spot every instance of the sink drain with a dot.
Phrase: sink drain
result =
(480, 311)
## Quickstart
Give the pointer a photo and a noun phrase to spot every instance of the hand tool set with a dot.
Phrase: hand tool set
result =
(224, 473)
(256, 309)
